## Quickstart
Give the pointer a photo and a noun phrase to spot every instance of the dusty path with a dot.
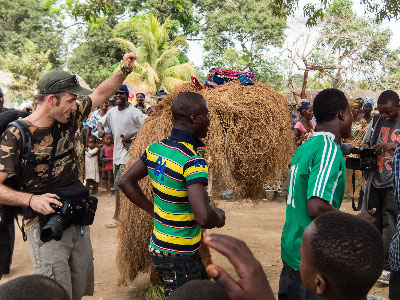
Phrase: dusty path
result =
(260, 225)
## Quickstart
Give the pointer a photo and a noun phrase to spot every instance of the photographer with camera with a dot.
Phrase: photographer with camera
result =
(383, 135)
(60, 208)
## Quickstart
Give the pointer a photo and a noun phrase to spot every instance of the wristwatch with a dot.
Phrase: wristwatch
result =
(125, 71)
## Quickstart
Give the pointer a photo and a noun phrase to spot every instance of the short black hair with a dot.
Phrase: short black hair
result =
(199, 290)
(349, 250)
(92, 138)
(33, 287)
(186, 104)
(328, 103)
(387, 97)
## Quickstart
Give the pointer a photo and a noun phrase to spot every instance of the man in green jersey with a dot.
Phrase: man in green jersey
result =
(179, 176)
(316, 186)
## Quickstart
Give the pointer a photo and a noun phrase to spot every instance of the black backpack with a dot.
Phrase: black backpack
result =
(7, 119)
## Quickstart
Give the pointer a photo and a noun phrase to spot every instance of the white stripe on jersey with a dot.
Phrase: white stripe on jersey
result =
(329, 169)
(292, 183)
(325, 167)
(320, 167)
(289, 197)
(326, 162)
(334, 186)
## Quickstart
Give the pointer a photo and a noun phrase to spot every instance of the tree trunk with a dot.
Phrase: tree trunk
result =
(303, 94)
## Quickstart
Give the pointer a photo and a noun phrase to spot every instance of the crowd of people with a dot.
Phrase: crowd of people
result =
(326, 254)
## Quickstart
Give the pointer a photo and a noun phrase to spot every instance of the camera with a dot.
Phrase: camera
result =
(57, 222)
(367, 160)
(79, 212)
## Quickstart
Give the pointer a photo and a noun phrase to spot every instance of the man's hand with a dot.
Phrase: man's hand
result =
(384, 147)
(367, 215)
(41, 203)
(129, 61)
(252, 284)
(127, 139)
(109, 86)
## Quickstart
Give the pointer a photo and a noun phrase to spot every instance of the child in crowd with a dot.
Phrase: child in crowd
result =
(92, 165)
(341, 258)
(106, 156)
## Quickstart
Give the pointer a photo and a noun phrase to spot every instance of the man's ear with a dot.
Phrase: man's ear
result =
(51, 99)
(320, 284)
(193, 118)
(341, 115)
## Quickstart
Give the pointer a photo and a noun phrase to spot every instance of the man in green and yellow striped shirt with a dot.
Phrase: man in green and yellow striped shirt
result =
(179, 176)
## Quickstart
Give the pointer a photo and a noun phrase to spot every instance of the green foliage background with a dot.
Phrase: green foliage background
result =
(235, 34)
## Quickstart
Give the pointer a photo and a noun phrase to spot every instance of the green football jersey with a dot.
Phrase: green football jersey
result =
(318, 170)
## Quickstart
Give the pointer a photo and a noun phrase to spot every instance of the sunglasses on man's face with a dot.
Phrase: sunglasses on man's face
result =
(118, 93)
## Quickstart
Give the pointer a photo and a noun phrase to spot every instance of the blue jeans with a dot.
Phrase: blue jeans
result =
(175, 271)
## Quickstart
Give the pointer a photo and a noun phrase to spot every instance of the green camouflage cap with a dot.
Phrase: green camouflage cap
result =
(55, 82)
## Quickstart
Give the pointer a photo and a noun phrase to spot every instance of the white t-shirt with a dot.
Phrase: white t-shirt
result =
(122, 122)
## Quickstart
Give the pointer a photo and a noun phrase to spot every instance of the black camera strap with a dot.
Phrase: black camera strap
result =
(376, 127)
(56, 137)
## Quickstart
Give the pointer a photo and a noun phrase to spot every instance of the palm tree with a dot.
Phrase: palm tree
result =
(158, 65)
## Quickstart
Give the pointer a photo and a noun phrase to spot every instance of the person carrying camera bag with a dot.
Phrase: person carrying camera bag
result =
(383, 135)
(50, 177)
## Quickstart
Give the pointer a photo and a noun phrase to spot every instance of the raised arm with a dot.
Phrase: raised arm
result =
(108, 87)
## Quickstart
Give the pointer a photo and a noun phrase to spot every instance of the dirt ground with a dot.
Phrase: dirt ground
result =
(260, 225)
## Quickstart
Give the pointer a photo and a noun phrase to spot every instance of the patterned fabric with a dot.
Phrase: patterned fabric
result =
(394, 252)
(358, 131)
(65, 168)
(92, 123)
(173, 164)
(157, 253)
(221, 76)
(318, 170)
(357, 102)
(369, 100)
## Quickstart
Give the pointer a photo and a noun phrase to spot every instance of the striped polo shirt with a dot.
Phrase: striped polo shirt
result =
(173, 164)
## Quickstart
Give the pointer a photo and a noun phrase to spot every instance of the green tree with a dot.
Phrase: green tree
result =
(239, 34)
(158, 63)
(94, 47)
(385, 9)
(179, 12)
(26, 69)
(341, 48)
(29, 19)
(99, 11)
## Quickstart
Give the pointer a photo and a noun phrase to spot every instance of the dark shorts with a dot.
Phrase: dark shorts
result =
(291, 286)
(174, 271)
